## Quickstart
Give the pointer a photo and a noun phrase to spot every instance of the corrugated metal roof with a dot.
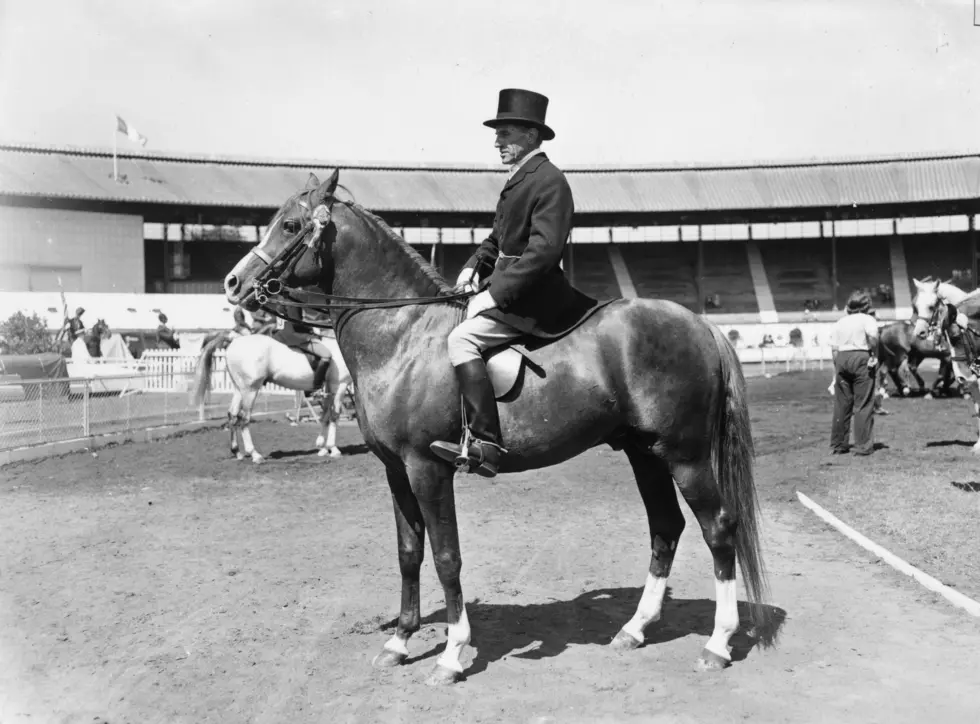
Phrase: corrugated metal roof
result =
(156, 178)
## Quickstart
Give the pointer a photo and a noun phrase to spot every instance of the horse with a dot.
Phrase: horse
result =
(936, 306)
(900, 352)
(253, 360)
(644, 376)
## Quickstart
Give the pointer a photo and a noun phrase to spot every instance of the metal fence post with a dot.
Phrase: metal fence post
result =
(86, 413)
(40, 412)
(129, 422)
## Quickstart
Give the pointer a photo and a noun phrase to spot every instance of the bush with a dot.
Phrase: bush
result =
(21, 334)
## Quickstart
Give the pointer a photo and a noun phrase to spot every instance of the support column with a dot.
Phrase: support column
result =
(760, 282)
(622, 273)
(974, 282)
(833, 264)
(700, 271)
(900, 275)
(166, 259)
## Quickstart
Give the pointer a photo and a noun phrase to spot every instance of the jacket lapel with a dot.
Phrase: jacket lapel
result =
(530, 167)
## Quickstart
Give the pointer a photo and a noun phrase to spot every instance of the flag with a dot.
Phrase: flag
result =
(130, 132)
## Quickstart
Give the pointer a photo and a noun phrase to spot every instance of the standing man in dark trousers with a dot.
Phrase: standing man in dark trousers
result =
(853, 342)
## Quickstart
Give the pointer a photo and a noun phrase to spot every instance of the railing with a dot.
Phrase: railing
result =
(42, 411)
(164, 367)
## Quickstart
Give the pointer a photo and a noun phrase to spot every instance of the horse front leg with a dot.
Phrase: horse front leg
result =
(433, 483)
(411, 551)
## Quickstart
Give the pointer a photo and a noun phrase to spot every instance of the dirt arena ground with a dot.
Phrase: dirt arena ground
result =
(165, 582)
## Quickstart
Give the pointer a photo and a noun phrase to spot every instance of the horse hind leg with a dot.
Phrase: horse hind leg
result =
(666, 521)
(234, 420)
(700, 488)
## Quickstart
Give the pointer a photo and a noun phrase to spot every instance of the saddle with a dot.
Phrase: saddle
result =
(506, 365)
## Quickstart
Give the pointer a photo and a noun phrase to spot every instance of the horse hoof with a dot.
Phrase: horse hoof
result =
(240, 456)
(624, 642)
(976, 450)
(906, 391)
(257, 459)
(442, 676)
(711, 661)
(335, 452)
(322, 452)
(388, 659)
(928, 396)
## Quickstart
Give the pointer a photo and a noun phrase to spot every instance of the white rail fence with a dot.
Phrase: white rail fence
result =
(164, 369)
(153, 391)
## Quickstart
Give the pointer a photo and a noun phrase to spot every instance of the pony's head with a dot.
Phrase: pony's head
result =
(100, 330)
(289, 253)
(929, 310)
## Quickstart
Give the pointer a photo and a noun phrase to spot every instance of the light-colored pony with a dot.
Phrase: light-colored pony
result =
(928, 296)
(253, 360)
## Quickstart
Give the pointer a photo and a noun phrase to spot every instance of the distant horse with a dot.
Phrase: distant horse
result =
(253, 360)
(936, 306)
(641, 375)
(900, 352)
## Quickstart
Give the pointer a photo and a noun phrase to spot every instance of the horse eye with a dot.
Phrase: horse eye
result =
(290, 226)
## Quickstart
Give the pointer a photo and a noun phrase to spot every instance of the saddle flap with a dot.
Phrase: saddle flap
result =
(504, 367)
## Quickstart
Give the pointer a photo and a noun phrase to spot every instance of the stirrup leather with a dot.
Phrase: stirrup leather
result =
(466, 462)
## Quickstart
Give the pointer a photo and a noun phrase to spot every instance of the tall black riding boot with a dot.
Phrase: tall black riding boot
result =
(319, 376)
(483, 455)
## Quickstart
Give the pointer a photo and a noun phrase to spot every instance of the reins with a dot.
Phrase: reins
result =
(269, 289)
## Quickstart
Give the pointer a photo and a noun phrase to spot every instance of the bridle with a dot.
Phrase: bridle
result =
(937, 320)
(269, 288)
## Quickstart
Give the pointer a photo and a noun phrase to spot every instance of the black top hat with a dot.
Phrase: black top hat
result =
(522, 106)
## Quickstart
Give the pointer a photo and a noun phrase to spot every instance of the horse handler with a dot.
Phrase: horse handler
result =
(853, 342)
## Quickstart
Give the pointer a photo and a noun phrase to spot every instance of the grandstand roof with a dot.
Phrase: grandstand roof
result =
(166, 186)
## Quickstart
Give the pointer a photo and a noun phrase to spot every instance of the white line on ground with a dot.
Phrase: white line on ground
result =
(955, 597)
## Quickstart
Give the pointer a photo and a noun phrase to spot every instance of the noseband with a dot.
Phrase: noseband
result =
(937, 320)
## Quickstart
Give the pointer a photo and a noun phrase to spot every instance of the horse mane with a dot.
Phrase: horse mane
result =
(429, 272)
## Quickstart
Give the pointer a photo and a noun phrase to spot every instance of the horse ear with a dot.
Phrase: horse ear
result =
(918, 284)
(327, 188)
(312, 182)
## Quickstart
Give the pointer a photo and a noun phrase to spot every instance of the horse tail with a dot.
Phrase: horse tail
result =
(202, 374)
(734, 453)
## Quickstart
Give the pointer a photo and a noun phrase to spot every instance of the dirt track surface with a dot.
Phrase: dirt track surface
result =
(165, 582)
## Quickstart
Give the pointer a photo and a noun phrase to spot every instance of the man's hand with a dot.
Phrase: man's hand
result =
(468, 281)
(872, 362)
(480, 303)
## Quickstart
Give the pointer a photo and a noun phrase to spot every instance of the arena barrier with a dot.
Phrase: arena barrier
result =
(34, 412)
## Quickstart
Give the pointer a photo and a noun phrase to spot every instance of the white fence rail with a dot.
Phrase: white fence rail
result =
(33, 412)
(165, 367)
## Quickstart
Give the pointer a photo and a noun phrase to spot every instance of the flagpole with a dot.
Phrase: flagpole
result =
(115, 163)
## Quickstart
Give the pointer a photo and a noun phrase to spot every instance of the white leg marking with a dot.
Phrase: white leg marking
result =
(459, 637)
(331, 443)
(397, 644)
(726, 619)
(249, 447)
(319, 442)
(650, 607)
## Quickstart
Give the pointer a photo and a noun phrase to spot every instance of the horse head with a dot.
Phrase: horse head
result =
(930, 313)
(289, 252)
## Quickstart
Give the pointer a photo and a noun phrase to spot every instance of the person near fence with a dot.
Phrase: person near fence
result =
(241, 328)
(853, 343)
(74, 326)
(165, 335)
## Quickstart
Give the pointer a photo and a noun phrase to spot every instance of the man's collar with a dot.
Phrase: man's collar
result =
(517, 166)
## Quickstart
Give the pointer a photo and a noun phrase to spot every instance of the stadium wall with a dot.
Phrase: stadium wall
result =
(89, 251)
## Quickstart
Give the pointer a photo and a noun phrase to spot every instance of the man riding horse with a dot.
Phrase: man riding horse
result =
(517, 270)
(299, 335)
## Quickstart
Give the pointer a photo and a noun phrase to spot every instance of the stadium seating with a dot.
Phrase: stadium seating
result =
(863, 263)
(593, 271)
(936, 255)
(726, 274)
(664, 271)
(799, 270)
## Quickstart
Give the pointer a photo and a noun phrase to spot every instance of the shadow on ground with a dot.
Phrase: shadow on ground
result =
(543, 630)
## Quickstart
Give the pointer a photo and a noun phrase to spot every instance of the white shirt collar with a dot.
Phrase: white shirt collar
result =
(514, 169)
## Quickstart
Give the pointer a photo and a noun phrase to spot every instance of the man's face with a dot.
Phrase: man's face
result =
(514, 142)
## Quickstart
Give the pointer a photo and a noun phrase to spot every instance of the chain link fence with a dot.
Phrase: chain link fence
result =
(42, 411)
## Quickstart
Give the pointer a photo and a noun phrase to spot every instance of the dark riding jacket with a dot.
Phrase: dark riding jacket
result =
(520, 259)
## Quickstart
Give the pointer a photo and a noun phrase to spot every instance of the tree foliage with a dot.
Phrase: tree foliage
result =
(22, 334)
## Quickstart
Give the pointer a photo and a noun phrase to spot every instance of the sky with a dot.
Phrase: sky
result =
(409, 81)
